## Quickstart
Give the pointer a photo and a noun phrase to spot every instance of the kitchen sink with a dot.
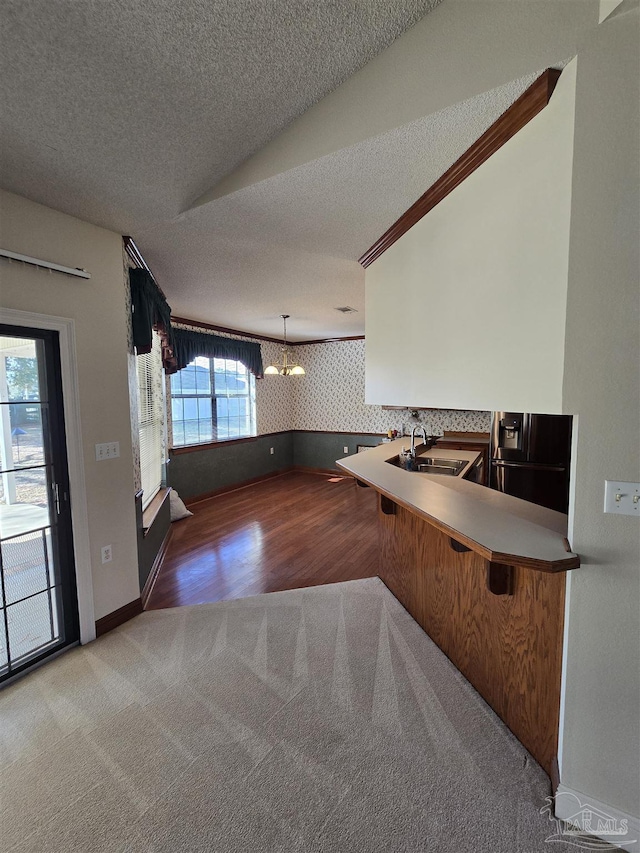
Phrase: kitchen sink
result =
(432, 465)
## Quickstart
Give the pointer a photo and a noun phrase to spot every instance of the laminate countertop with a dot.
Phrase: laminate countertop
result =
(502, 528)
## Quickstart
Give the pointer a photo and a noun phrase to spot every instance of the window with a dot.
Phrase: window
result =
(212, 399)
(150, 419)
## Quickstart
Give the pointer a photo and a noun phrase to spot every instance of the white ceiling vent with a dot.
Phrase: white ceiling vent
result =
(347, 309)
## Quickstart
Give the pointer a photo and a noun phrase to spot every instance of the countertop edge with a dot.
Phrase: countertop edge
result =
(552, 539)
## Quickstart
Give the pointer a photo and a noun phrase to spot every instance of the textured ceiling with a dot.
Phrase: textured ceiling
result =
(130, 110)
(124, 113)
(302, 230)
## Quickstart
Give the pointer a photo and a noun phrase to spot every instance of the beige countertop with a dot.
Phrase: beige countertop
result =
(500, 527)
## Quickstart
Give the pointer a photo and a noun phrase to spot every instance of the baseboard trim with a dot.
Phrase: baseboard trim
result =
(118, 617)
(573, 806)
(155, 569)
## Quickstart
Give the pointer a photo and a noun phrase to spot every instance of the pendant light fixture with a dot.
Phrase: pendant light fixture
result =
(287, 367)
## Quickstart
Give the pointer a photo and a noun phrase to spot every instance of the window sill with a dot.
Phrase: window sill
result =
(150, 513)
(192, 448)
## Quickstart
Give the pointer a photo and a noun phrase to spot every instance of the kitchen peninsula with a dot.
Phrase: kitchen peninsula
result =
(483, 573)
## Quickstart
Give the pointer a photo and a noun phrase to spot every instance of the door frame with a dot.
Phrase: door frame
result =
(73, 430)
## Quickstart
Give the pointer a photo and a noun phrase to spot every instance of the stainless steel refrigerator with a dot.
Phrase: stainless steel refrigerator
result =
(530, 456)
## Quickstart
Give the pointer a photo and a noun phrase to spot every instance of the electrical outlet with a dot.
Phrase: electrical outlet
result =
(110, 450)
(345, 449)
(271, 450)
(107, 554)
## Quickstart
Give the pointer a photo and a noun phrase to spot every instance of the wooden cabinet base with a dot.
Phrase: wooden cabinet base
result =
(500, 625)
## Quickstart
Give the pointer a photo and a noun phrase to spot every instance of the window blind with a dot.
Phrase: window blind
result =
(151, 419)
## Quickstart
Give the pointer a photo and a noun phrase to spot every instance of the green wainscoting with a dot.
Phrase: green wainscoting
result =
(224, 465)
(321, 449)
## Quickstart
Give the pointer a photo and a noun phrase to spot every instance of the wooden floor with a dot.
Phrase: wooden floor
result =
(292, 531)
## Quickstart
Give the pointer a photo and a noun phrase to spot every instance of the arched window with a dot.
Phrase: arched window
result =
(212, 399)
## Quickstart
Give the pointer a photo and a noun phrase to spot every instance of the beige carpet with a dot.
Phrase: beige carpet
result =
(321, 719)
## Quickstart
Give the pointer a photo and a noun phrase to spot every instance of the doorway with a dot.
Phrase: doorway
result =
(38, 597)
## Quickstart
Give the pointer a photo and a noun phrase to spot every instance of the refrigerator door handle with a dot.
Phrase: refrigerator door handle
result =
(534, 466)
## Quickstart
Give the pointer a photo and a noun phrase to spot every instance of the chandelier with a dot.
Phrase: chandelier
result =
(287, 367)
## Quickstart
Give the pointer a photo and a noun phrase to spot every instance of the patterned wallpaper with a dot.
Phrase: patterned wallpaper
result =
(132, 374)
(275, 395)
(331, 395)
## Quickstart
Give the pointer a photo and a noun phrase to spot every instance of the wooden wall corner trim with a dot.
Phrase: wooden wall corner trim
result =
(527, 106)
(118, 617)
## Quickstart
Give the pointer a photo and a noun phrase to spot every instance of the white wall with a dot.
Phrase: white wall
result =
(331, 396)
(98, 308)
(467, 309)
(601, 732)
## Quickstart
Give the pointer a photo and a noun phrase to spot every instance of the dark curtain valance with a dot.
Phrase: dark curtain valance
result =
(149, 311)
(189, 345)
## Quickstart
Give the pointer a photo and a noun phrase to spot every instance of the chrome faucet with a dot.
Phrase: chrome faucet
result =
(414, 430)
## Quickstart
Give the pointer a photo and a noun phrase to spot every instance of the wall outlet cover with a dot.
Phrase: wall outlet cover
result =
(109, 450)
(107, 554)
(622, 498)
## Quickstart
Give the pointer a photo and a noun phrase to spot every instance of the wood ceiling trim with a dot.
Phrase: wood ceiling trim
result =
(325, 341)
(528, 105)
(198, 324)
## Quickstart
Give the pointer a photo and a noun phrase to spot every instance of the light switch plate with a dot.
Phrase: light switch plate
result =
(622, 498)
(110, 450)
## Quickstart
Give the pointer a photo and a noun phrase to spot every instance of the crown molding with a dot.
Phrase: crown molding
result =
(198, 324)
(326, 341)
(520, 113)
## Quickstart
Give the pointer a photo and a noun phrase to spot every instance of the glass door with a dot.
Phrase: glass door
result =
(38, 600)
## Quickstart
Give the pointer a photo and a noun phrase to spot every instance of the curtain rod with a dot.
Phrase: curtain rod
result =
(25, 259)
(136, 256)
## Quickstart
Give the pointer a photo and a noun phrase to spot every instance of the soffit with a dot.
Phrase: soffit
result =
(290, 243)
